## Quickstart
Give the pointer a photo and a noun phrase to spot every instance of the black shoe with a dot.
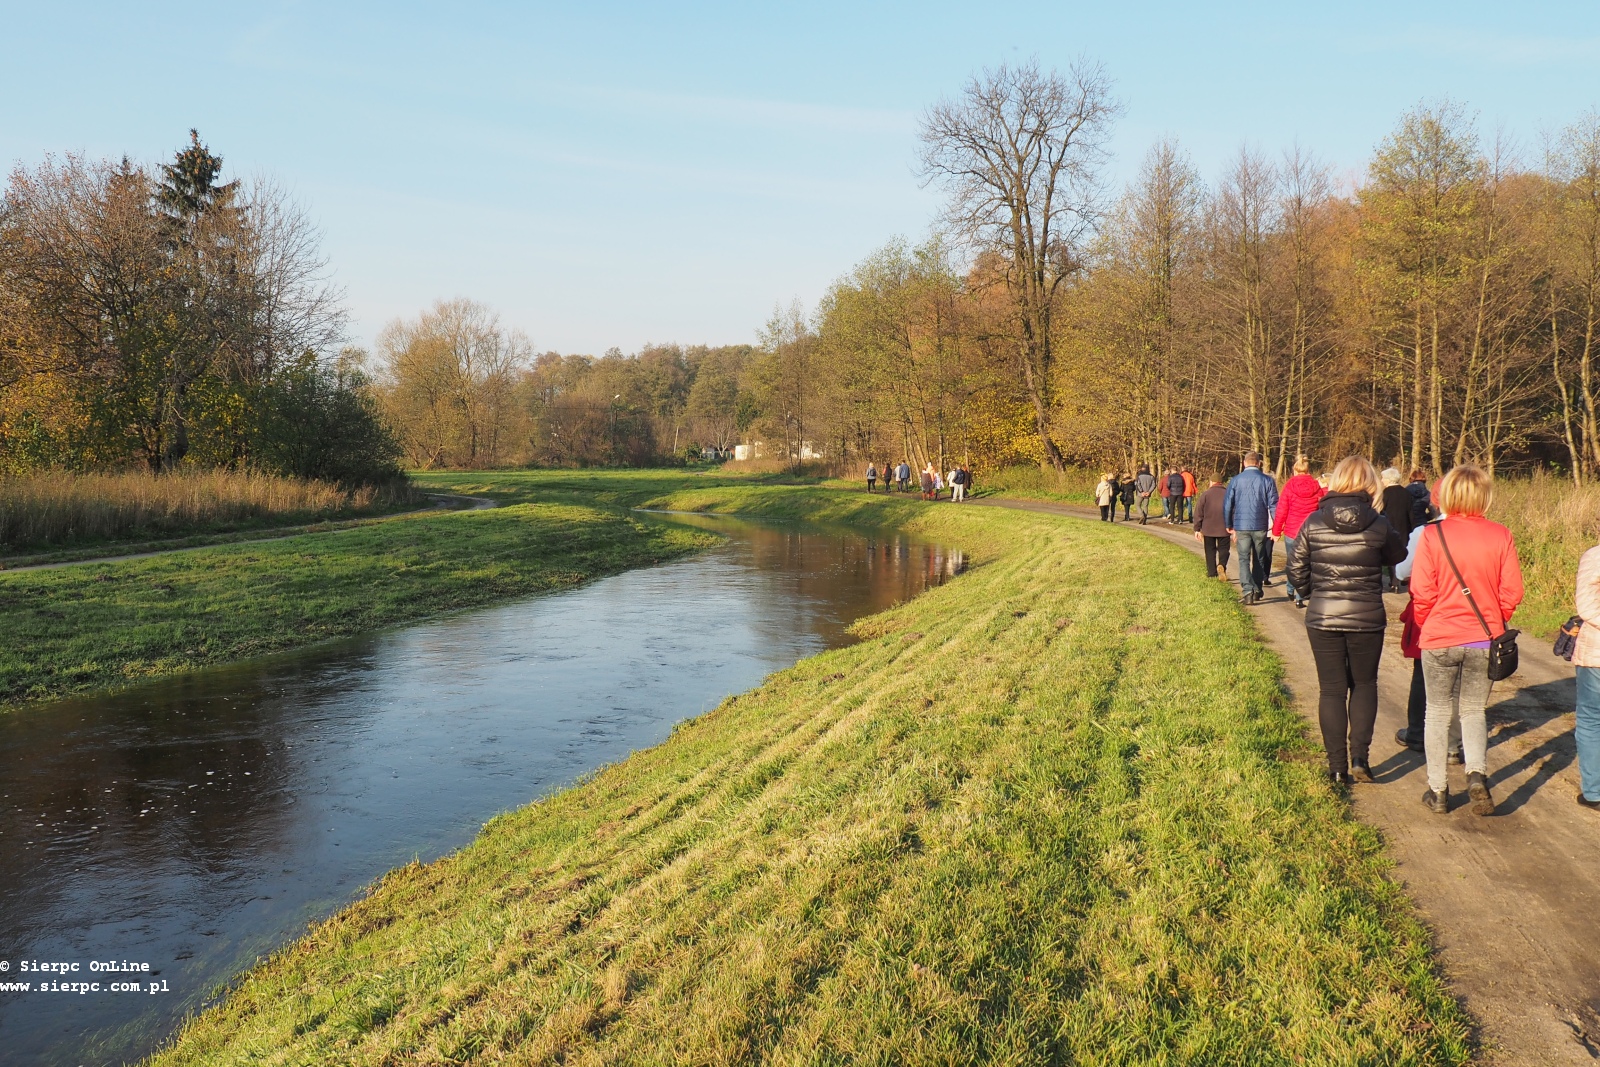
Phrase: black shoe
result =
(1401, 738)
(1454, 758)
(1266, 584)
(1438, 803)
(1340, 779)
(1585, 802)
(1301, 604)
(1361, 771)
(1478, 790)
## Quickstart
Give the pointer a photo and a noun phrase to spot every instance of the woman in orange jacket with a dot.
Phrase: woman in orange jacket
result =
(1453, 637)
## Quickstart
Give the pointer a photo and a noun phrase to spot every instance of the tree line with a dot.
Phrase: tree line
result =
(1443, 307)
(162, 318)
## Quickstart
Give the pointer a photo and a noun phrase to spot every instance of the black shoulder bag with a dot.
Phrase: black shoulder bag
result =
(1502, 649)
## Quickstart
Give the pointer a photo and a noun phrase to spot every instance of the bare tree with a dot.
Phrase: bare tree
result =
(1020, 153)
(449, 380)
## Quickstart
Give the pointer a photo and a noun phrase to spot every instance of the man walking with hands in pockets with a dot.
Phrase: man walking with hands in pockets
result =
(1247, 511)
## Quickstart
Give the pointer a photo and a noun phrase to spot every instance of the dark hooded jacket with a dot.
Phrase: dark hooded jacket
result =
(1338, 564)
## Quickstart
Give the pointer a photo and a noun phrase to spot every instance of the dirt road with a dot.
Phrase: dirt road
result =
(1513, 899)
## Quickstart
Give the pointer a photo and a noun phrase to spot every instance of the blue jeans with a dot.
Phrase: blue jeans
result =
(1288, 554)
(1252, 546)
(1587, 731)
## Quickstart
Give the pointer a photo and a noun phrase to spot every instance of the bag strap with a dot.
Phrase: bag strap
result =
(1462, 582)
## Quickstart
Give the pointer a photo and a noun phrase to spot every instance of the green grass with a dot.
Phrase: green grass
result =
(613, 488)
(99, 625)
(1031, 817)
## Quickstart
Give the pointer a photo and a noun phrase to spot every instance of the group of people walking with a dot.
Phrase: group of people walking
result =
(1176, 490)
(1367, 535)
(898, 476)
(1349, 537)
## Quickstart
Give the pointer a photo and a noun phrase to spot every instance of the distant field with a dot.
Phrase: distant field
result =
(1029, 818)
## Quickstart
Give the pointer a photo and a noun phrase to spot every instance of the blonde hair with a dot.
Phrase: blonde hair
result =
(1466, 490)
(1354, 474)
(1302, 465)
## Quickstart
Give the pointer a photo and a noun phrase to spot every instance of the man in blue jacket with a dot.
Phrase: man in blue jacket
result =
(1247, 510)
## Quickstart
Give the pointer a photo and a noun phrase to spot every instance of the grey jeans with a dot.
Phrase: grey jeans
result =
(1458, 691)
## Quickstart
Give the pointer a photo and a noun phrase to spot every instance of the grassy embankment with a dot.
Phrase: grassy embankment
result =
(1029, 818)
(98, 625)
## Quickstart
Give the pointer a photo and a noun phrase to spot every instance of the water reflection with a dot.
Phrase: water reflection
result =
(197, 823)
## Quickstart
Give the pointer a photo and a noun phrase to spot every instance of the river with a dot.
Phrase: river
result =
(196, 823)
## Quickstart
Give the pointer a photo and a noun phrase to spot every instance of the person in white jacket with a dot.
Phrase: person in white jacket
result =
(1103, 496)
(1586, 658)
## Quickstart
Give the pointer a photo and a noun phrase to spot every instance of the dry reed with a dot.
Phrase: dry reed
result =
(1554, 522)
(58, 508)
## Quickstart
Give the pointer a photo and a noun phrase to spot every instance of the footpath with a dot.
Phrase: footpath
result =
(1513, 899)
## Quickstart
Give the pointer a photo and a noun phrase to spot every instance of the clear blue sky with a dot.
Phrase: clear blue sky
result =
(608, 174)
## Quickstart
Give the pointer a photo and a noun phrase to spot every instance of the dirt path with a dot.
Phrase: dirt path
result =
(479, 503)
(1514, 899)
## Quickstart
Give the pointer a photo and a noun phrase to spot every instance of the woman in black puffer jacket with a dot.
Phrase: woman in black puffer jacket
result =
(1338, 564)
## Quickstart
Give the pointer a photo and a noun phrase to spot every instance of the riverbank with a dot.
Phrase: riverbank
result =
(96, 626)
(966, 838)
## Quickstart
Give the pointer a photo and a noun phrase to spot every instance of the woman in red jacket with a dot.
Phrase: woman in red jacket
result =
(1455, 643)
(1301, 496)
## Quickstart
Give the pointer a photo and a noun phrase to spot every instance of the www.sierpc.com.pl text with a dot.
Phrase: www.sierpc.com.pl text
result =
(97, 976)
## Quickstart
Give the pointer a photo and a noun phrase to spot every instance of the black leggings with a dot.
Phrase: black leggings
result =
(1347, 677)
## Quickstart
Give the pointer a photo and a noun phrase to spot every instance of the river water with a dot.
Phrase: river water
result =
(192, 825)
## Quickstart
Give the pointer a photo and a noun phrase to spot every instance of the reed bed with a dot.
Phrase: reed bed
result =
(58, 509)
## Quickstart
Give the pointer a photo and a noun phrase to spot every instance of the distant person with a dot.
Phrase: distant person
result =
(872, 476)
(1337, 565)
(1299, 499)
(958, 484)
(1116, 491)
(1144, 485)
(1211, 527)
(927, 482)
(1166, 494)
(1395, 505)
(938, 483)
(1251, 499)
(1105, 497)
(1465, 585)
(1189, 488)
(904, 475)
(1174, 496)
(1127, 491)
(972, 480)
(1422, 508)
(1586, 658)
(1410, 736)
